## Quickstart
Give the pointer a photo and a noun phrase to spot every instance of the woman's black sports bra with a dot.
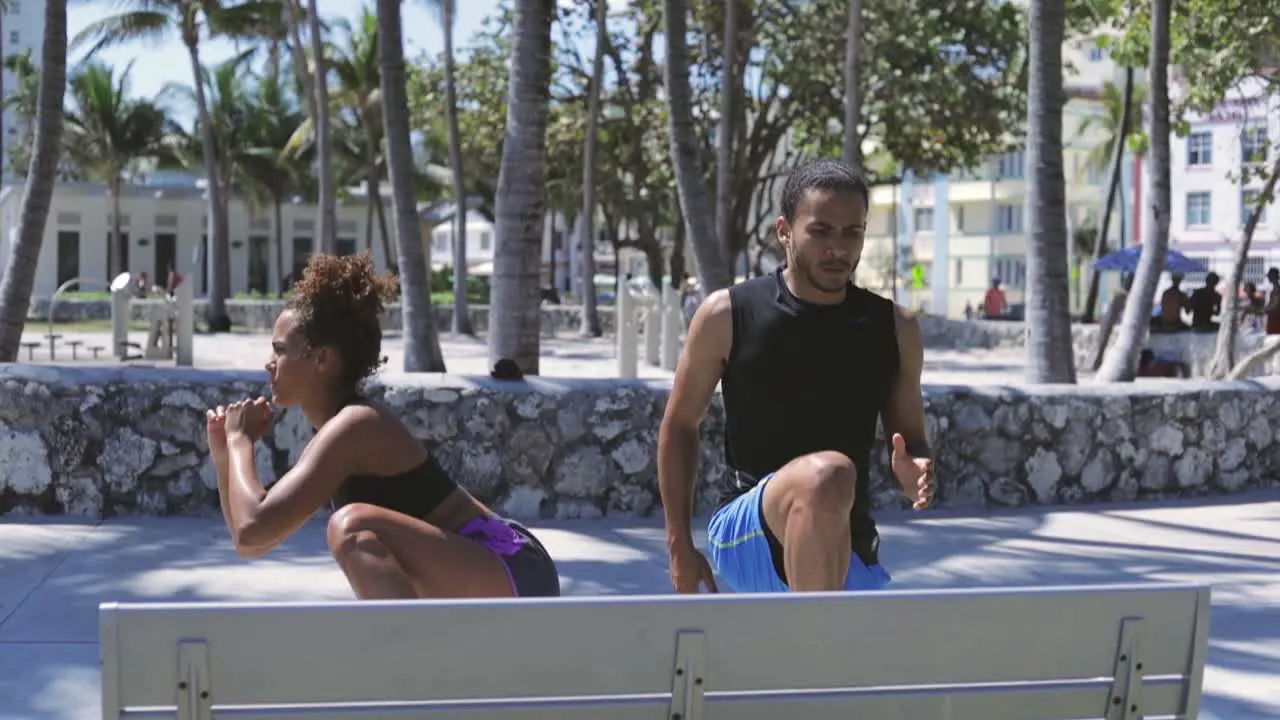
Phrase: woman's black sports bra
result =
(416, 492)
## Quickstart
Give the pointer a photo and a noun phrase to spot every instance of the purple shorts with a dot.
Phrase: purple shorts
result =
(529, 566)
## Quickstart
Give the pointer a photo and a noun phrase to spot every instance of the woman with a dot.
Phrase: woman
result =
(401, 527)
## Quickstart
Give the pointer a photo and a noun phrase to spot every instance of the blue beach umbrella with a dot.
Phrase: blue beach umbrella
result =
(1126, 260)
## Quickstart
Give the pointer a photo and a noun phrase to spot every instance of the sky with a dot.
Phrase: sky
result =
(157, 66)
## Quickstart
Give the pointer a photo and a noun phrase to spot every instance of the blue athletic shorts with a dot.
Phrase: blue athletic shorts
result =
(740, 553)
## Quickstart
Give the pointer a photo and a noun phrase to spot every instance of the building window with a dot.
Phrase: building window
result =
(1255, 269)
(1012, 271)
(1200, 149)
(959, 277)
(924, 220)
(1095, 54)
(1012, 165)
(1248, 201)
(1198, 209)
(442, 241)
(13, 37)
(1008, 218)
(486, 241)
(15, 7)
(1253, 144)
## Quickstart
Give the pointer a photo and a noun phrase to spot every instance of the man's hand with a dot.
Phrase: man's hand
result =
(690, 570)
(248, 418)
(915, 475)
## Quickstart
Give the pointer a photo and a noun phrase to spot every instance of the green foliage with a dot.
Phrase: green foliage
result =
(944, 83)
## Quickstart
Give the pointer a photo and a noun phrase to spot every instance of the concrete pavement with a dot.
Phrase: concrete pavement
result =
(55, 571)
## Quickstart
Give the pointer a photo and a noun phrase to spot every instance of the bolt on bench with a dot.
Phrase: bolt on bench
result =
(1111, 652)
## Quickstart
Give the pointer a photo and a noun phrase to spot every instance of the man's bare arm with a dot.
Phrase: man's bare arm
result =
(697, 374)
(904, 413)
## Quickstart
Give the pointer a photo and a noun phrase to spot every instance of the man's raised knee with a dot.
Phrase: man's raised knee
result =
(832, 479)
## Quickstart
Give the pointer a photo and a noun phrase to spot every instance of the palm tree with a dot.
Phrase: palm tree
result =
(1120, 361)
(1049, 355)
(1223, 365)
(20, 274)
(356, 134)
(586, 224)
(108, 134)
(852, 147)
(154, 21)
(724, 131)
(269, 175)
(714, 271)
(447, 11)
(515, 318)
(24, 99)
(324, 148)
(1116, 124)
(421, 343)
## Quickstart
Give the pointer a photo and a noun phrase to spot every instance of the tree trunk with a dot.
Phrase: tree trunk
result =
(1224, 349)
(277, 206)
(324, 140)
(1113, 189)
(852, 150)
(219, 246)
(587, 228)
(368, 216)
(724, 131)
(461, 312)
(1050, 358)
(380, 209)
(301, 69)
(115, 248)
(20, 275)
(515, 320)
(1254, 361)
(1121, 359)
(421, 343)
(714, 271)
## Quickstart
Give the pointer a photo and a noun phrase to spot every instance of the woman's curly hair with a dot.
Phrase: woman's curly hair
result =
(339, 303)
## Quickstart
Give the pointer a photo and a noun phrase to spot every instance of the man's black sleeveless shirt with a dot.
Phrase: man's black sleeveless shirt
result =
(804, 378)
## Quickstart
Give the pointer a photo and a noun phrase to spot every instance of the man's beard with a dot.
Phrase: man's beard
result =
(811, 271)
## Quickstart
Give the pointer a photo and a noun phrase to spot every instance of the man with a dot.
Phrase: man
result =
(994, 303)
(1206, 304)
(1272, 310)
(808, 362)
(1172, 303)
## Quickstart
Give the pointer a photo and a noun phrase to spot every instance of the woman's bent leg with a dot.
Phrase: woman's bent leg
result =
(387, 555)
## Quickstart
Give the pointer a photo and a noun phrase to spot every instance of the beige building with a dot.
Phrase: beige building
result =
(164, 226)
(985, 231)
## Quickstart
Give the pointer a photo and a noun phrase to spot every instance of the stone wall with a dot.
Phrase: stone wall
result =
(94, 441)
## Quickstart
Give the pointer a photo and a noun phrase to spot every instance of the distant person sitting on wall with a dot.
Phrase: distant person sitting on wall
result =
(143, 286)
(1272, 310)
(1172, 303)
(994, 303)
(401, 527)
(1206, 304)
(175, 279)
(1161, 366)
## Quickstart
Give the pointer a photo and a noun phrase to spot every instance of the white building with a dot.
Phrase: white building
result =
(1210, 202)
(21, 29)
(164, 226)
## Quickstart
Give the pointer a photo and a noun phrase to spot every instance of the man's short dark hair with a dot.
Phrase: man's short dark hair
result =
(831, 175)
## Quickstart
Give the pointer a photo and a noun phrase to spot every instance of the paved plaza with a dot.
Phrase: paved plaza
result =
(54, 572)
(563, 356)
